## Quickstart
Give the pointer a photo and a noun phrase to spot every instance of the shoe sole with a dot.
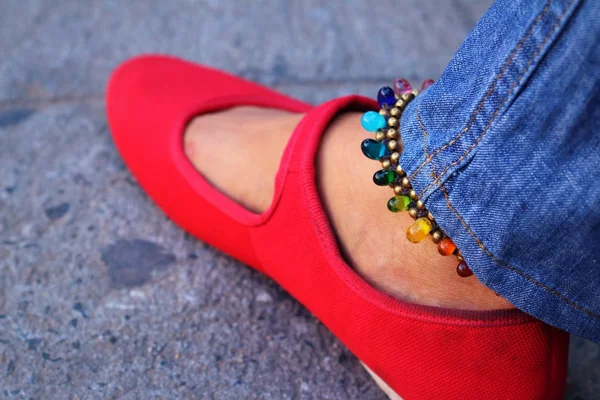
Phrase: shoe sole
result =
(382, 385)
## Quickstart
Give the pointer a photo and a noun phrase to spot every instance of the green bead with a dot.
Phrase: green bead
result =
(399, 203)
(384, 177)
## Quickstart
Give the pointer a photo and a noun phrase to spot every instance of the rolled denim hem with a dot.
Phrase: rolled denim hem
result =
(506, 164)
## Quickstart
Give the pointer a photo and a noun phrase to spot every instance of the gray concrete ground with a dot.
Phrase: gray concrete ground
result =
(102, 297)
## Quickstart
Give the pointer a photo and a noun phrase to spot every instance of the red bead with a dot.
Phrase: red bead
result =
(446, 247)
(426, 84)
(463, 270)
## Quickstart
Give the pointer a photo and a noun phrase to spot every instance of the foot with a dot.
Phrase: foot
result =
(371, 238)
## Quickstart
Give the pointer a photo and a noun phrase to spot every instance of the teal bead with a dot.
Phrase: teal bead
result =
(399, 203)
(373, 149)
(372, 121)
(384, 177)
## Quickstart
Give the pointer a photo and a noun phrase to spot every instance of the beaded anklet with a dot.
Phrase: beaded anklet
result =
(386, 147)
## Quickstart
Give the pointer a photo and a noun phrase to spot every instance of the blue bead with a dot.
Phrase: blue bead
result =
(385, 97)
(372, 121)
(373, 149)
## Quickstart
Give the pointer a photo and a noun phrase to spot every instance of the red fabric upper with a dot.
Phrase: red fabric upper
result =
(421, 352)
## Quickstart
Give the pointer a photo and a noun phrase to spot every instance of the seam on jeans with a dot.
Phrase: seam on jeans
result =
(485, 249)
(490, 90)
(493, 118)
(504, 264)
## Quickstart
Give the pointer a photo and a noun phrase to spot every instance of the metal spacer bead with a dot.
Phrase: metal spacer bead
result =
(385, 164)
(406, 183)
(399, 170)
(430, 216)
(415, 92)
(384, 112)
(460, 258)
(405, 96)
(379, 136)
(413, 194)
(413, 212)
(393, 122)
(392, 133)
(398, 190)
(392, 145)
(401, 104)
(437, 236)
(395, 157)
(395, 112)
(420, 205)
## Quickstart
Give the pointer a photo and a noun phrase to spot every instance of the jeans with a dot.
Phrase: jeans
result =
(504, 150)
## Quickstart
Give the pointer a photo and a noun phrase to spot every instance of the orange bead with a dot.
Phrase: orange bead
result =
(446, 247)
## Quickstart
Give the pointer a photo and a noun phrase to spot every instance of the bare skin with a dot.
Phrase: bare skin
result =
(215, 144)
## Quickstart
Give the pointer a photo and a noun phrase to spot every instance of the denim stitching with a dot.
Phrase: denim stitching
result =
(488, 252)
(528, 277)
(490, 90)
(488, 125)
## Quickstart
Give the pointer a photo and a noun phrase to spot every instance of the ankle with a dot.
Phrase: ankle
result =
(373, 240)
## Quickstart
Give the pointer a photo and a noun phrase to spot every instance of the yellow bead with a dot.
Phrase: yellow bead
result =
(418, 230)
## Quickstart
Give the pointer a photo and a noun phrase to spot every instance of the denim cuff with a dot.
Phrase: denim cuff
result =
(493, 148)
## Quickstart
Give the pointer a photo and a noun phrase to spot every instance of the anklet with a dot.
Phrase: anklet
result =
(386, 148)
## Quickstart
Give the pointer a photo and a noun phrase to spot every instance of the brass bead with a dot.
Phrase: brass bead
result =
(395, 157)
(384, 112)
(401, 104)
(392, 145)
(413, 194)
(430, 216)
(392, 133)
(420, 205)
(460, 258)
(398, 190)
(437, 236)
(393, 122)
(406, 183)
(415, 92)
(413, 212)
(385, 164)
(395, 112)
(405, 96)
(379, 136)
(399, 170)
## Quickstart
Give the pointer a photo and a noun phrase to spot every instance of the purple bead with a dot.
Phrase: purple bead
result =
(401, 86)
(385, 97)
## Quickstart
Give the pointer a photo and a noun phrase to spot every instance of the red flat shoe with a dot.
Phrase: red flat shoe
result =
(420, 352)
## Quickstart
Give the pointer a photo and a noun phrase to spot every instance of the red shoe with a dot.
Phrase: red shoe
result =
(421, 352)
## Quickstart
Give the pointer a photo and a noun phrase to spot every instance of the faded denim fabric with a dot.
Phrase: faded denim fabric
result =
(505, 149)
